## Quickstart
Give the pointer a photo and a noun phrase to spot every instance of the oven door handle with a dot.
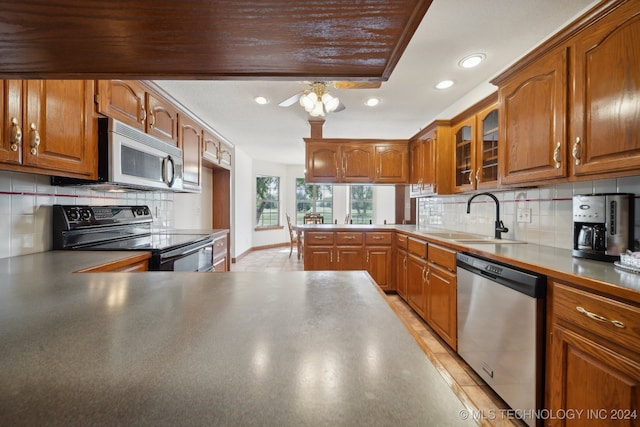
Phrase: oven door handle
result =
(186, 251)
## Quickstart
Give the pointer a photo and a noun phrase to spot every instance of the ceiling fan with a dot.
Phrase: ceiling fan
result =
(317, 100)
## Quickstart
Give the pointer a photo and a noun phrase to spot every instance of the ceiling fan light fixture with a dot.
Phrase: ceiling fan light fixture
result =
(331, 103)
(472, 60)
(318, 110)
(444, 84)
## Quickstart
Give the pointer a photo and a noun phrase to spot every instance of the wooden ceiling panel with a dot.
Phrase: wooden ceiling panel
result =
(335, 39)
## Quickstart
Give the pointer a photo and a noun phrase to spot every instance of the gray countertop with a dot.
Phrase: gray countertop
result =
(298, 348)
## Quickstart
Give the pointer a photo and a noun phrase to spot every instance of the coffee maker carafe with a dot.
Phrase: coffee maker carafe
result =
(602, 226)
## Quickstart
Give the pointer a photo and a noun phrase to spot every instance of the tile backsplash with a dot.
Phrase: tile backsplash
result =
(551, 222)
(25, 209)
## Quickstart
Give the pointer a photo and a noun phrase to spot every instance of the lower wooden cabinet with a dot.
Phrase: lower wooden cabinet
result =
(592, 358)
(220, 255)
(401, 265)
(378, 263)
(441, 293)
(416, 284)
(136, 263)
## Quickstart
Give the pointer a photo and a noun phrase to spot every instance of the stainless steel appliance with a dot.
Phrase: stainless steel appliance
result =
(123, 228)
(130, 158)
(501, 330)
(602, 227)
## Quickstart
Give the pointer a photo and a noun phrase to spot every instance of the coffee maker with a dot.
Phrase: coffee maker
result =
(602, 227)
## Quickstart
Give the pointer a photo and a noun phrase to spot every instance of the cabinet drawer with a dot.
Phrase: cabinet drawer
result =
(378, 238)
(614, 320)
(417, 247)
(318, 238)
(219, 246)
(443, 257)
(349, 238)
(401, 241)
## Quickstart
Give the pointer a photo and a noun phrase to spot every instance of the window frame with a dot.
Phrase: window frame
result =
(277, 201)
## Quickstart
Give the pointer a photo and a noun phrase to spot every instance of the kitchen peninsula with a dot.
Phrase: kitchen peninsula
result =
(300, 348)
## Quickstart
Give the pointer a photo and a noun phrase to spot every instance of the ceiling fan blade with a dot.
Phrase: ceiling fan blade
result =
(356, 85)
(340, 107)
(291, 100)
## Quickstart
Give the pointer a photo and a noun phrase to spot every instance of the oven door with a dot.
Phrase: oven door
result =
(194, 257)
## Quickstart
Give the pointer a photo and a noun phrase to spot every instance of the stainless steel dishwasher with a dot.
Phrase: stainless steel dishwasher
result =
(501, 330)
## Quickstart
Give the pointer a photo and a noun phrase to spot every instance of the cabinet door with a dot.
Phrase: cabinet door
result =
(606, 111)
(378, 262)
(226, 154)
(416, 284)
(12, 136)
(162, 119)
(589, 376)
(60, 136)
(318, 258)
(442, 303)
(401, 273)
(350, 258)
(123, 100)
(190, 136)
(464, 155)
(391, 163)
(357, 163)
(210, 148)
(486, 163)
(220, 264)
(322, 162)
(416, 167)
(533, 110)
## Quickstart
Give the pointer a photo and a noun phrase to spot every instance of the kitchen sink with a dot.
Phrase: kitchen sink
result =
(462, 237)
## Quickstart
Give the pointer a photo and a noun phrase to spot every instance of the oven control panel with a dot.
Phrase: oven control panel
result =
(73, 217)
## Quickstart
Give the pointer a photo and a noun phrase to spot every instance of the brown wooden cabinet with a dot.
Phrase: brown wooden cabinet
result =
(417, 275)
(133, 103)
(356, 161)
(592, 358)
(190, 141)
(441, 293)
(134, 264)
(401, 265)
(533, 108)
(429, 153)
(475, 146)
(566, 109)
(220, 255)
(605, 68)
(41, 135)
(378, 260)
(215, 151)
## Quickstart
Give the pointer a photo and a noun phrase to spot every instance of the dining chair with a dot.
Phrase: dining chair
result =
(293, 237)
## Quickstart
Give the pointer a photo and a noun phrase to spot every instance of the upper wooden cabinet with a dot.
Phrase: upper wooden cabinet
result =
(590, 69)
(133, 103)
(475, 146)
(429, 152)
(190, 141)
(41, 134)
(605, 70)
(356, 161)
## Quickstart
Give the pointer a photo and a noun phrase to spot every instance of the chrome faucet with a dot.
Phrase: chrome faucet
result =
(500, 228)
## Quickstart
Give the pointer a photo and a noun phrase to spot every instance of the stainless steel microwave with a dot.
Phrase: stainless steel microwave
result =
(131, 159)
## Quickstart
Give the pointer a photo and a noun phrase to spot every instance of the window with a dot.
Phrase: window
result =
(267, 201)
(361, 204)
(312, 198)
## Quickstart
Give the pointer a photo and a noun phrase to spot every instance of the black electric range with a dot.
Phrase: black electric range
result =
(122, 228)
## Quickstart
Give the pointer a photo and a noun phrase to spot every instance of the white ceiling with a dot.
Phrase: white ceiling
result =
(504, 30)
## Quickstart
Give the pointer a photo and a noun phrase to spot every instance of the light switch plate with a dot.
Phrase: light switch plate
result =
(523, 215)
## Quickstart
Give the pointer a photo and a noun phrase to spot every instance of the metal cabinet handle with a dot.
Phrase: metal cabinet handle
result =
(556, 156)
(367, 257)
(320, 237)
(600, 318)
(477, 174)
(575, 151)
(16, 134)
(152, 120)
(377, 237)
(425, 272)
(471, 177)
(143, 114)
(349, 237)
(34, 141)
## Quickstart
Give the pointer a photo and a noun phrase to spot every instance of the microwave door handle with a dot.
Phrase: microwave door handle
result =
(166, 162)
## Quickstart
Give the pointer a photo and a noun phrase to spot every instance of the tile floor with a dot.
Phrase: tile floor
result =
(472, 391)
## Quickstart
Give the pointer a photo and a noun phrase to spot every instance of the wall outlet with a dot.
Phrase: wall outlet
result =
(524, 215)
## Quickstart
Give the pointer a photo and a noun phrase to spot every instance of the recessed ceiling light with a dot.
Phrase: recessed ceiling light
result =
(372, 102)
(472, 60)
(261, 100)
(444, 84)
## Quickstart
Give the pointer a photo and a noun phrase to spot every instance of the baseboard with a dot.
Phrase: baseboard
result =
(257, 248)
